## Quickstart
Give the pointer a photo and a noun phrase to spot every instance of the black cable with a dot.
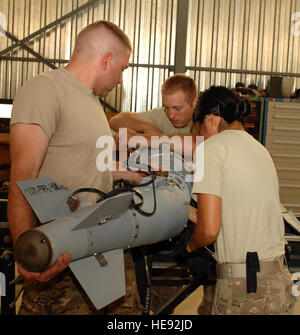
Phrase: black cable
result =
(123, 190)
(127, 183)
(88, 189)
(138, 209)
(129, 188)
(126, 187)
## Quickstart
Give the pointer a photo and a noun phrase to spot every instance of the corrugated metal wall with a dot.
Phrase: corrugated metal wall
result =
(243, 40)
(49, 28)
(228, 41)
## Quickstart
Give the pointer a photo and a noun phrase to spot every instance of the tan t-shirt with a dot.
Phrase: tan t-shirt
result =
(240, 170)
(159, 118)
(73, 119)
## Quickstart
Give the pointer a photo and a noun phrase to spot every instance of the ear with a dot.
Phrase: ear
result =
(211, 123)
(215, 120)
(105, 61)
(194, 102)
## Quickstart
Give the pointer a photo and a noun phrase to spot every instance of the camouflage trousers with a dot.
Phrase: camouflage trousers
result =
(62, 295)
(273, 295)
(207, 300)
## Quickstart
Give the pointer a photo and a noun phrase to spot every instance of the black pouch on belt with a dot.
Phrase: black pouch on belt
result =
(252, 266)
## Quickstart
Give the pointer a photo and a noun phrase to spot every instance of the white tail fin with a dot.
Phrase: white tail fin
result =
(46, 197)
(103, 284)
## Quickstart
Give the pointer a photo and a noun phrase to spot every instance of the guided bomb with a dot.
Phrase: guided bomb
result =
(96, 234)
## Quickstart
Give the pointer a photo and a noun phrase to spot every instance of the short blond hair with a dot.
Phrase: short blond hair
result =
(180, 81)
(81, 39)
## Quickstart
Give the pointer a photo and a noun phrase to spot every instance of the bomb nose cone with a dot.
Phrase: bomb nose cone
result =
(33, 251)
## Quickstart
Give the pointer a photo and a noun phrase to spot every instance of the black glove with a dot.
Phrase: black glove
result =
(183, 238)
(199, 265)
(197, 261)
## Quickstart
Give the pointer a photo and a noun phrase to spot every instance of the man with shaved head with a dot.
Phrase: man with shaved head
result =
(97, 46)
(56, 121)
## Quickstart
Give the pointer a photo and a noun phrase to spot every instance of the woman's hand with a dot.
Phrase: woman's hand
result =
(193, 214)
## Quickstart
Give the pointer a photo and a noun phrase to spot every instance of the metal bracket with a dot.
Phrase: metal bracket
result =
(100, 258)
(104, 220)
(137, 229)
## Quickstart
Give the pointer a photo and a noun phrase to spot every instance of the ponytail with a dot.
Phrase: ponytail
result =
(222, 102)
(233, 111)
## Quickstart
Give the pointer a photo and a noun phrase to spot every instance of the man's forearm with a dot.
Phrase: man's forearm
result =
(125, 120)
(19, 212)
(130, 121)
(184, 144)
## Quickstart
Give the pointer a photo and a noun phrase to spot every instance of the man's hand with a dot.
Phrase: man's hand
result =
(61, 263)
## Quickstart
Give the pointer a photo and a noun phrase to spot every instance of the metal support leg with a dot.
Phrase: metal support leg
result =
(7, 270)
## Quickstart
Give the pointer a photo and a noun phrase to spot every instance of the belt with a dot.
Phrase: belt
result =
(238, 270)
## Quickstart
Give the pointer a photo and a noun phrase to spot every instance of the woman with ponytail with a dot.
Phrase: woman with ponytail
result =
(239, 211)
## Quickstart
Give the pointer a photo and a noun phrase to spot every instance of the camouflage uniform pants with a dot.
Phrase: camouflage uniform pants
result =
(207, 300)
(273, 296)
(62, 295)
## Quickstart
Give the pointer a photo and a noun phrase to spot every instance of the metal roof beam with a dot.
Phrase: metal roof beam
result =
(181, 36)
(35, 54)
(50, 25)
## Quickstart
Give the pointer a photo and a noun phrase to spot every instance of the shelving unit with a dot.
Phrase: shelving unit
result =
(283, 143)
